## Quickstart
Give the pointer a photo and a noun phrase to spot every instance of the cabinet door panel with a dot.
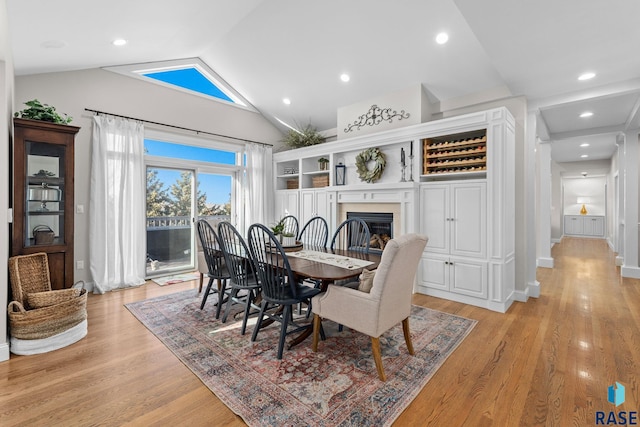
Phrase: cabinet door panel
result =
(434, 213)
(434, 273)
(307, 206)
(286, 203)
(573, 224)
(468, 219)
(469, 278)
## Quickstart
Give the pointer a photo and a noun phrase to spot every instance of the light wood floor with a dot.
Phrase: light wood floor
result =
(545, 362)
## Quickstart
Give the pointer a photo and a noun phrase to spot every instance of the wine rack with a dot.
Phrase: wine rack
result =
(454, 154)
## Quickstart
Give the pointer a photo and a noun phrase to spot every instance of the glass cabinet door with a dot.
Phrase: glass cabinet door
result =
(45, 194)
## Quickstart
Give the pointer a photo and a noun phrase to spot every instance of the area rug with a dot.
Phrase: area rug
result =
(176, 278)
(337, 386)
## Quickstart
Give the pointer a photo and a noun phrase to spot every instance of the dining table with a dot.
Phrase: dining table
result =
(326, 266)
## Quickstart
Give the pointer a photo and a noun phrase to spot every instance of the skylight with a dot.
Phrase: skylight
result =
(191, 79)
(187, 75)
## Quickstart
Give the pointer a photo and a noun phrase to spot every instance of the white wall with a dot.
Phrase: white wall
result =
(72, 92)
(591, 188)
(6, 113)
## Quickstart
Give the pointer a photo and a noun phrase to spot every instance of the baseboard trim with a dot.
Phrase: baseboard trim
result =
(619, 261)
(4, 351)
(532, 291)
(631, 272)
(545, 262)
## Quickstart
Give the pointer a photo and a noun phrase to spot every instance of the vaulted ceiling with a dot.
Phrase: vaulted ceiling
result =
(297, 49)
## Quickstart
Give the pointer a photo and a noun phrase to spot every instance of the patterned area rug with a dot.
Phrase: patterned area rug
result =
(337, 386)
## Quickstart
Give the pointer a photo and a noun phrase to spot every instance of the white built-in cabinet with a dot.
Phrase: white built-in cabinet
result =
(286, 203)
(454, 218)
(584, 225)
(312, 203)
(459, 191)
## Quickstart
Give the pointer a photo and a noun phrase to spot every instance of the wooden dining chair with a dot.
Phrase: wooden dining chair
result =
(239, 263)
(353, 234)
(279, 285)
(217, 270)
(291, 225)
(384, 306)
(315, 233)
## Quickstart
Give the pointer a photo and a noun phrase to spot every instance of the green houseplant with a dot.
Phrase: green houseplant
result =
(283, 236)
(305, 137)
(323, 163)
(44, 112)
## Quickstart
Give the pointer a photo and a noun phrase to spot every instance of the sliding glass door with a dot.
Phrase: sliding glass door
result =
(170, 204)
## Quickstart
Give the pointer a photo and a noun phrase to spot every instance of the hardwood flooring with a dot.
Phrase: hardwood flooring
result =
(545, 362)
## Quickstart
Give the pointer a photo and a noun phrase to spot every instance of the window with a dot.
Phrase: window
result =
(187, 75)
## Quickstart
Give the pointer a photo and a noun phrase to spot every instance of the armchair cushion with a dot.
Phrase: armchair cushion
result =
(366, 280)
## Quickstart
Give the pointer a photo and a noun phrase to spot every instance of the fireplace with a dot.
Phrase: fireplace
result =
(380, 225)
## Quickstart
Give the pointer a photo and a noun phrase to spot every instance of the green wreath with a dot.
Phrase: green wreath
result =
(365, 157)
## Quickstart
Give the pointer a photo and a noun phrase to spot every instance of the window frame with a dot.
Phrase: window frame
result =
(137, 71)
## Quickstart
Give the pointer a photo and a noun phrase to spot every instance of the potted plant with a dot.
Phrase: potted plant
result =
(43, 112)
(323, 163)
(305, 137)
(285, 238)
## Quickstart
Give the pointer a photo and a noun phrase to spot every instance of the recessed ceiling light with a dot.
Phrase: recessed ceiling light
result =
(586, 76)
(286, 101)
(584, 144)
(119, 42)
(442, 38)
(586, 114)
(345, 77)
(584, 156)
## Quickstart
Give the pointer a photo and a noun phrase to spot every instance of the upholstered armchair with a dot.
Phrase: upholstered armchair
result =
(387, 304)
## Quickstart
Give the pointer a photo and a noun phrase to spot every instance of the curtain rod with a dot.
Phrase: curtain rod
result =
(179, 127)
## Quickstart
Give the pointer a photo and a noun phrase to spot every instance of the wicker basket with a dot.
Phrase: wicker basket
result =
(43, 235)
(45, 299)
(320, 181)
(29, 276)
(47, 321)
(292, 184)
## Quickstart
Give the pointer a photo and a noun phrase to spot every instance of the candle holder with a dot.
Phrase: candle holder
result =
(403, 166)
(411, 167)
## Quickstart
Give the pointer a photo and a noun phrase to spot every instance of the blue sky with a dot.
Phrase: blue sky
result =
(216, 187)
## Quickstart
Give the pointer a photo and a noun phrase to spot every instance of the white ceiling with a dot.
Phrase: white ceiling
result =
(271, 49)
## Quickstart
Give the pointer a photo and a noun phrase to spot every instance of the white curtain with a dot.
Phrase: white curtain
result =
(258, 185)
(117, 204)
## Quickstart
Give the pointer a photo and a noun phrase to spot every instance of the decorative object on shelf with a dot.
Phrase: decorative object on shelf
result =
(362, 160)
(320, 181)
(411, 162)
(44, 174)
(43, 194)
(323, 163)
(42, 112)
(290, 171)
(583, 201)
(341, 171)
(375, 116)
(403, 165)
(455, 154)
(43, 235)
(305, 137)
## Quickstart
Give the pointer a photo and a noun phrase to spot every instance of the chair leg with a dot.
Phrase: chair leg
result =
(222, 286)
(247, 309)
(407, 336)
(234, 293)
(206, 293)
(283, 330)
(201, 281)
(377, 357)
(316, 331)
(263, 308)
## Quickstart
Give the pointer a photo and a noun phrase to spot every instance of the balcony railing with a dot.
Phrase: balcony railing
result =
(176, 222)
